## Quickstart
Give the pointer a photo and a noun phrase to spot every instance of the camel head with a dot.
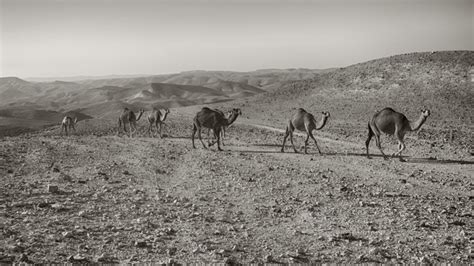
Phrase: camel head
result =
(237, 111)
(167, 111)
(425, 113)
(326, 115)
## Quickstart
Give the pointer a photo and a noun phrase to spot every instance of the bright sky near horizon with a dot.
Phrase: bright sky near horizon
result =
(54, 38)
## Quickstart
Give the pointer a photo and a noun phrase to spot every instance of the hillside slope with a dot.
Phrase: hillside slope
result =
(440, 81)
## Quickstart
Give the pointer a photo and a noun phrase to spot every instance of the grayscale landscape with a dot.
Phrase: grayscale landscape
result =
(76, 187)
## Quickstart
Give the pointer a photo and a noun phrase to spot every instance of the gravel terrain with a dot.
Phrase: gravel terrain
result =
(98, 197)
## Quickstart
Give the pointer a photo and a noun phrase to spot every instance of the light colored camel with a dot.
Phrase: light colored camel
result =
(129, 117)
(304, 121)
(68, 123)
(214, 120)
(157, 116)
(394, 123)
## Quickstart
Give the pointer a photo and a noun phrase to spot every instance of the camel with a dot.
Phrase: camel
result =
(304, 121)
(128, 116)
(157, 116)
(391, 122)
(214, 120)
(68, 123)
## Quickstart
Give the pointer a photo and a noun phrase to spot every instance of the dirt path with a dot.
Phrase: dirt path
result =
(147, 199)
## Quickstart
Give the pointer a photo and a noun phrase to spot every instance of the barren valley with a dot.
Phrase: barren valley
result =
(99, 196)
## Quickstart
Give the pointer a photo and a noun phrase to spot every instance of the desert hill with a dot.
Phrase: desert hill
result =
(439, 81)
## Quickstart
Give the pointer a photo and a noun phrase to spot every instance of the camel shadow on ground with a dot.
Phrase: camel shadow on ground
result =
(408, 159)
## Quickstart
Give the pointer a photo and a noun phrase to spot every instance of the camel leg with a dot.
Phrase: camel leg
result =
(401, 150)
(292, 144)
(306, 144)
(218, 135)
(367, 142)
(284, 140)
(156, 129)
(162, 125)
(379, 145)
(209, 137)
(200, 138)
(315, 142)
(222, 135)
(401, 146)
(192, 137)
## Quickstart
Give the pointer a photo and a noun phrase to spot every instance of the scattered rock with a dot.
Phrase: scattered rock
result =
(53, 189)
(77, 258)
(24, 258)
(269, 258)
(171, 251)
(141, 244)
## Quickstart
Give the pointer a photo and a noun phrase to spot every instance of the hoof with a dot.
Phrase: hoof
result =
(402, 160)
(386, 158)
(282, 150)
(368, 157)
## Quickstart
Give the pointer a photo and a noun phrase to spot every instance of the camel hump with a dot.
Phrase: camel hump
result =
(388, 109)
(302, 110)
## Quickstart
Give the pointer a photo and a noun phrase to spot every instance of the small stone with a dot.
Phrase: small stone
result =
(67, 234)
(43, 205)
(53, 188)
(268, 258)
(125, 172)
(24, 258)
(424, 260)
(301, 251)
(15, 248)
(56, 169)
(141, 244)
(171, 251)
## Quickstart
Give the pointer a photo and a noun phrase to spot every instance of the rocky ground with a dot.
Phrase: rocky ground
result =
(96, 196)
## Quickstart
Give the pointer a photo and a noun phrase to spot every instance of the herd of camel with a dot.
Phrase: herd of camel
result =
(386, 121)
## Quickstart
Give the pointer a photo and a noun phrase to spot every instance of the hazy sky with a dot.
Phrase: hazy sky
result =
(40, 38)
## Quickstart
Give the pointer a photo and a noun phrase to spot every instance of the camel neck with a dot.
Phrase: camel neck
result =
(321, 123)
(232, 118)
(163, 117)
(139, 116)
(414, 126)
